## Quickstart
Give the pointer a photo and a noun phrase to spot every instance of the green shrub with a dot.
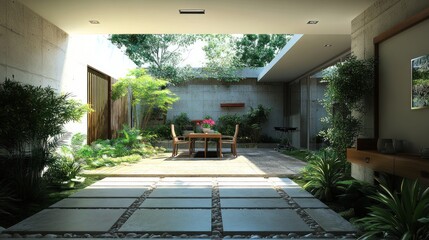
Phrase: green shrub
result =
(356, 195)
(226, 124)
(398, 215)
(62, 170)
(180, 123)
(32, 120)
(104, 152)
(160, 131)
(252, 121)
(323, 174)
(349, 84)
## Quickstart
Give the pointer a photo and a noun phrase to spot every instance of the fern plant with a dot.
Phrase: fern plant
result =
(403, 215)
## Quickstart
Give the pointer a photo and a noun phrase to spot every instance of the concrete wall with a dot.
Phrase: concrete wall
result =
(36, 52)
(203, 97)
(380, 17)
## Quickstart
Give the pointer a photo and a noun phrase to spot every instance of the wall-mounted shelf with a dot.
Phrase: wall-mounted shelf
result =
(402, 165)
(234, 105)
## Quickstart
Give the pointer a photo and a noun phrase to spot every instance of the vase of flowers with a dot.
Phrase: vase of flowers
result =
(206, 124)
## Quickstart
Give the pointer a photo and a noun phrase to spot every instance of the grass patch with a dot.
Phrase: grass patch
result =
(298, 154)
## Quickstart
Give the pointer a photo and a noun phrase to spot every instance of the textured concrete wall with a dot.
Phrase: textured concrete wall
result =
(200, 98)
(37, 52)
(380, 17)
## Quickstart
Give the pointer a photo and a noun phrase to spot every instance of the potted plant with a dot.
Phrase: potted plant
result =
(207, 124)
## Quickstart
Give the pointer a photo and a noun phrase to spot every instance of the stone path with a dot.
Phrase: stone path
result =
(188, 207)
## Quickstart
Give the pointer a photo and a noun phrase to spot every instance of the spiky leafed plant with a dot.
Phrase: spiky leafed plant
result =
(399, 215)
(323, 173)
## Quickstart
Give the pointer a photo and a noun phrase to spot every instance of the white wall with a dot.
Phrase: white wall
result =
(200, 98)
(36, 52)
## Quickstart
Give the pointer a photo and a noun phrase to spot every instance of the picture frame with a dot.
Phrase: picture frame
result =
(420, 82)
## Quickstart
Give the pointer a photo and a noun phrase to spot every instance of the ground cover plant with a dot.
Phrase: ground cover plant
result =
(398, 215)
(130, 146)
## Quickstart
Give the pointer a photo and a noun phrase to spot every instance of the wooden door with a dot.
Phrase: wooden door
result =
(99, 121)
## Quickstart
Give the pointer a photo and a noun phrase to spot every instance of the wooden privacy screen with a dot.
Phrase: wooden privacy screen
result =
(119, 113)
(99, 121)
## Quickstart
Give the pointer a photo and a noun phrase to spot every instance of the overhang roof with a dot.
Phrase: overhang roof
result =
(221, 16)
(302, 54)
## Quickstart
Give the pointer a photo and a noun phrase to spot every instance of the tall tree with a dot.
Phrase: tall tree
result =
(257, 50)
(147, 94)
(221, 63)
(161, 54)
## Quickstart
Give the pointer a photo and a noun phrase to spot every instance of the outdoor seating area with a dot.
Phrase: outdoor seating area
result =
(191, 138)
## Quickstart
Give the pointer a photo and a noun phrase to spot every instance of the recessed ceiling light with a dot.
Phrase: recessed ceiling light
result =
(313, 22)
(94, 22)
(192, 11)
(328, 45)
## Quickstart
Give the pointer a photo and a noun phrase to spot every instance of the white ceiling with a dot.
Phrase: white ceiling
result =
(303, 54)
(221, 16)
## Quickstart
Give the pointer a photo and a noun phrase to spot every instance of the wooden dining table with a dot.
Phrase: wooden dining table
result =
(206, 136)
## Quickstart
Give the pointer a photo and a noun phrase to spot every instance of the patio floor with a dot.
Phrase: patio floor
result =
(187, 207)
(250, 162)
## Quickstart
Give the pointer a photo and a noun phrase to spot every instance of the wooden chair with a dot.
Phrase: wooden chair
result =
(232, 140)
(177, 140)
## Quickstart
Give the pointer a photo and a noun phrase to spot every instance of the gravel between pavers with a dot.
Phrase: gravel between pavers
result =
(217, 226)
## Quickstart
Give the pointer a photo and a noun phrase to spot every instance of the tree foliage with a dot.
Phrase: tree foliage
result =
(257, 50)
(160, 53)
(147, 94)
(349, 84)
(220, 54)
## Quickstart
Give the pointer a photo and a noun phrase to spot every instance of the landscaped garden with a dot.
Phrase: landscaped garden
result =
(37, 167)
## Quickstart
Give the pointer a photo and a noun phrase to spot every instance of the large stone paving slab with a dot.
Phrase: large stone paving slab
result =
(297, 192)
(282, 181)
(187, 179)
(94, 203)
(169, 220)
(245, 184)
(262, 221)
(330, 220)
(181, 193)
(253, 203)
(185, 184)
(69, 220)
(248, 193)
(309, 203)
(123, 183)
(109, 192)
(130, 179)
(241, 179)
(177, 203)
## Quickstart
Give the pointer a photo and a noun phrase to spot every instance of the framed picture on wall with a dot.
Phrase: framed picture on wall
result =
(420, 82)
